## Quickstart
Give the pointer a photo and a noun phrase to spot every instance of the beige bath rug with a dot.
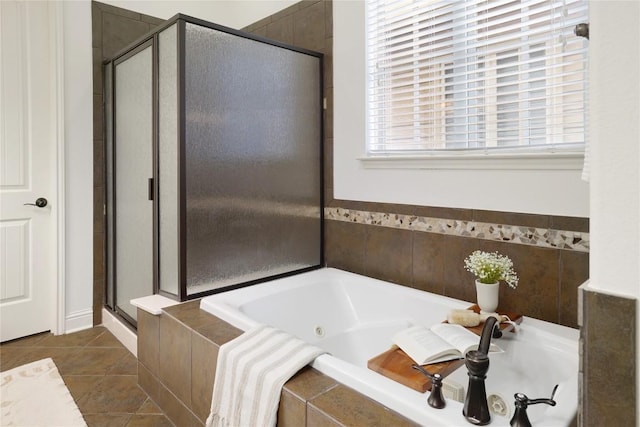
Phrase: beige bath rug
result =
(34, 395)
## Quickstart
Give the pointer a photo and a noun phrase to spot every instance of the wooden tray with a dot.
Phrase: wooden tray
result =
(395, 364)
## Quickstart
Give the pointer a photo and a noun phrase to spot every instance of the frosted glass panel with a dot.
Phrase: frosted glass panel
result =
(108, 143)
(168, 159)
(253, 159)
(133, 168)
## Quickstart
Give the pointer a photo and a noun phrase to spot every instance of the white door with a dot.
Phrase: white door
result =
(28, 273)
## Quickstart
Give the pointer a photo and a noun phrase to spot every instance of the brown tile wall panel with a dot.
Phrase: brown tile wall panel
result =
(175, 410)
(328, 166)
(388, 254)
(537, 293)
(281, 30)
(428, 267)
(149, 383)
(175, 358)
(309, 28)
(285, 12)
(609, 361)
(328, 114)
(292, 412)
(345, 245)
(99, 167)
(327, 64)
(317, 418)
(574, 271)
(570, 223)
(328, 18)
(122, 31)
(347, 407)
(308, 383)
(98, 255)
(98, 301)
(98, 213)
(149, 341)
(204, 356)
(459, 283)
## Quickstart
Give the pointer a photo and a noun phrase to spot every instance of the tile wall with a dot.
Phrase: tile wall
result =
(608, 355)
(177, 366)
(375, 239)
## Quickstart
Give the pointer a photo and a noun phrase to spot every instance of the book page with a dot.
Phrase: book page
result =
(460, 337)
(424, 346)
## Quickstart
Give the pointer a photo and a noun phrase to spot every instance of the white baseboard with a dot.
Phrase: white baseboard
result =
(78, 321)
(126, 336)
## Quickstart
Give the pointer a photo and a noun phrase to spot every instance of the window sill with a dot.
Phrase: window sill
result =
(530, 161)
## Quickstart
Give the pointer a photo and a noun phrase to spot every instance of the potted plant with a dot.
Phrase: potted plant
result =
(490, 268)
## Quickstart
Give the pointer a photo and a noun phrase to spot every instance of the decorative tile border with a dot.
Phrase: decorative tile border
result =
(533, 236)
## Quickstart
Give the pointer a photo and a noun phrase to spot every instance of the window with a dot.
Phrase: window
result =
(475, 76)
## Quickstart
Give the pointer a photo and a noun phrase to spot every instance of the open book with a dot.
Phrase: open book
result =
(439, 343)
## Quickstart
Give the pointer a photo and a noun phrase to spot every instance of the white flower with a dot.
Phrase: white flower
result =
(491, 268)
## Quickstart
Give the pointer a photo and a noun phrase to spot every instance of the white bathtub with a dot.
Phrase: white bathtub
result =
(353, 318)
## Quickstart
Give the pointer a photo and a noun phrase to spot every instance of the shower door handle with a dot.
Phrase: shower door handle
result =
(151, 189)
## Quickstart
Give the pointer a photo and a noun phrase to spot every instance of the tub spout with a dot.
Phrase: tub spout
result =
(476, 409)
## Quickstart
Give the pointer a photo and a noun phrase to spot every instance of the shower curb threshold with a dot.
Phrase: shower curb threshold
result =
(153, 304)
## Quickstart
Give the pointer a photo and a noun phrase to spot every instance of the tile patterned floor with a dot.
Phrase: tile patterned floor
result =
(101, 374)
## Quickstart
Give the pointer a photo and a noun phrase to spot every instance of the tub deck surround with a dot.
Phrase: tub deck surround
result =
(185, 340)
(353, 318)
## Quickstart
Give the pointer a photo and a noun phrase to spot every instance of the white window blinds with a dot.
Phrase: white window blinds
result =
(475, 75)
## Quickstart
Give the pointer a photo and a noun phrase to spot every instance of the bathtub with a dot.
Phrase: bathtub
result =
(353, 318)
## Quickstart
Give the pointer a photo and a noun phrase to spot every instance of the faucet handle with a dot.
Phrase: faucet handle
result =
(520, 418)
(548, 401)
(436, 399)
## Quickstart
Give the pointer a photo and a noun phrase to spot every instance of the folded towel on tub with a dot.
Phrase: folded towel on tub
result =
(250, 373)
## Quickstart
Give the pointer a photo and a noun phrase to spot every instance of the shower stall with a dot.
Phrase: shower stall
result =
(213, 161)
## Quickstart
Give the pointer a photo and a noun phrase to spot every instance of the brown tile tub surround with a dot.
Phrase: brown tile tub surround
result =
(609, 356)
(549, 277)
(185, 341)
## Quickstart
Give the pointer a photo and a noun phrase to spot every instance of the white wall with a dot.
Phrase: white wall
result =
(615, 130)
(559, 192)
(615, 164)
(78, 119)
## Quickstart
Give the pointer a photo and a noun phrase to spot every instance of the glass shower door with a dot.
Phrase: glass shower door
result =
(133, 169)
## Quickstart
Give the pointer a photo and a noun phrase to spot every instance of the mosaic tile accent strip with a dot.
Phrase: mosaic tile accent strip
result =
(532, 236)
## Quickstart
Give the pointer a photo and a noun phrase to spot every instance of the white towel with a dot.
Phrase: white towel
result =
(250, 373)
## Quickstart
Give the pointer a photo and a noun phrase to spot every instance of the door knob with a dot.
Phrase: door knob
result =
(41, 202)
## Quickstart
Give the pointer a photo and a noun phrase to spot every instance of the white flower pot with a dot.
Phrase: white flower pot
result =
(487, 296)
